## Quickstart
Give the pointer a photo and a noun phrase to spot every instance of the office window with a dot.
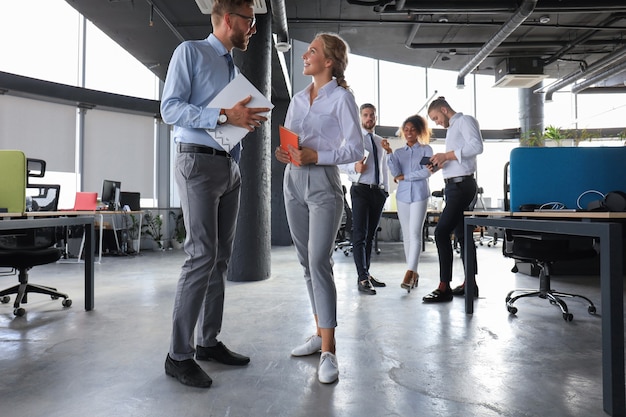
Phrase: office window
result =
(601, 110)
(362, 77)
(402, 92)
(48, 48)
(110, 68)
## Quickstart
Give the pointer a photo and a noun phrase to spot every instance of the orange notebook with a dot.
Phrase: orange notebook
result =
(287, 137)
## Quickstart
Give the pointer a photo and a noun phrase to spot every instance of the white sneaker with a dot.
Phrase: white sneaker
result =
(312, 345)
(328, 371)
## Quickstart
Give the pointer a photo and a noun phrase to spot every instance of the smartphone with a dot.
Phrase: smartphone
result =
(425, 160)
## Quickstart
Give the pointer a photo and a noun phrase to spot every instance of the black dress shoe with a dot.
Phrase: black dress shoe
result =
(187, 372)
(366, 287)
(222, 354)
(460, 290)
(377, 283)
(438, 296)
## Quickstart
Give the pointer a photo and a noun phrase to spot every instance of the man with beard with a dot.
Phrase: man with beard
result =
(208, 181)
(367, 194)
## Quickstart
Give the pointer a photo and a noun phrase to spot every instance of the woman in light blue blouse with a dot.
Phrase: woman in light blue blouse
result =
(326, 119)
(413, 192)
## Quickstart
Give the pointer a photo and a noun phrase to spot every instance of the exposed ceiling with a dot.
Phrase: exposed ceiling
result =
(522, 40)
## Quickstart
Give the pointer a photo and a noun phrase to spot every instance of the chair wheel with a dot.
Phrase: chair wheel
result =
(591, 309)
(19, 312)
(66, 303)
(568, 316)
(511, 309)
(5, 299)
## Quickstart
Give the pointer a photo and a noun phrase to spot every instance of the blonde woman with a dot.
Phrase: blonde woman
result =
(326, 118)
(413, 191)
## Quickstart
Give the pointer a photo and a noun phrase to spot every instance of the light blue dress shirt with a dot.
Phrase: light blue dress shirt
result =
(330, 126)
(464, 138)
(406, 161)
(198, 71)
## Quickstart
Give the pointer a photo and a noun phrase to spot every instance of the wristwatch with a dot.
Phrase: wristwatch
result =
(222, 118)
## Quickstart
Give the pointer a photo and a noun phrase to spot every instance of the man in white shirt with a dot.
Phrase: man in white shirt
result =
(463, 143)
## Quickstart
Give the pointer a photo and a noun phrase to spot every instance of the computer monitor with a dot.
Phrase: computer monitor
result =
(111, 194)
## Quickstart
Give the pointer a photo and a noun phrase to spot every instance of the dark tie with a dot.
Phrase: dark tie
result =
(236, 151)
(375, 154)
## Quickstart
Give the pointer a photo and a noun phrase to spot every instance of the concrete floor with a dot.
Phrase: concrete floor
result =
(397, 356)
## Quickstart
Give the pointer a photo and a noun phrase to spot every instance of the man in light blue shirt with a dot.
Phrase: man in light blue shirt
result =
(208, 182)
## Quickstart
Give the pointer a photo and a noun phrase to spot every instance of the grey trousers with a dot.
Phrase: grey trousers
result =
(209, 195)
(314, 204)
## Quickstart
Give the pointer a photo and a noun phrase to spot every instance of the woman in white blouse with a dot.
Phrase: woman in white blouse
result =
(413, 191)
(325, 117)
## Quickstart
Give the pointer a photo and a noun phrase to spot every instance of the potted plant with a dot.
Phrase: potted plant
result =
(133, 233)
(554, 133)
(178, 238)
(531, 138)
(152, 227)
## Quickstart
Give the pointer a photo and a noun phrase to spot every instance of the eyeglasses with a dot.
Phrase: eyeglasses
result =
(251, 20)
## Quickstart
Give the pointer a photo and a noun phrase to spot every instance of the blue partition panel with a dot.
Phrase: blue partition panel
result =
(562, 174)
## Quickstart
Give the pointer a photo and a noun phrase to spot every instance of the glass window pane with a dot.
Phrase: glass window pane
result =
(110, 68)
(48, 48)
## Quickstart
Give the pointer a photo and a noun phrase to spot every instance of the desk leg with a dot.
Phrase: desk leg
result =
(612, 295)
(470, 273)
(89, 268)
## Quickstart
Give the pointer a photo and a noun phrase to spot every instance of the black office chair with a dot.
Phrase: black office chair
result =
(541, 251)
(343, 241)
(23, 249)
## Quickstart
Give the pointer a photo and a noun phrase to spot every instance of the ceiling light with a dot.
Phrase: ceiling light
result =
(282, 46)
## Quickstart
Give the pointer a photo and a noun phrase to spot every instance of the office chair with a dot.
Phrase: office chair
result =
(542, 251)
(23, 249)
(343, 241)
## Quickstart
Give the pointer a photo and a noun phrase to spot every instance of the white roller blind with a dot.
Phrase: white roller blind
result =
(119, 147)
(40, 129)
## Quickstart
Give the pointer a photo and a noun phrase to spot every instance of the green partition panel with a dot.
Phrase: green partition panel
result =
(12, 181)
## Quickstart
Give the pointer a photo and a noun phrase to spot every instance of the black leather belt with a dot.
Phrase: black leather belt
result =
(189, 148)
(372, 186)
(456, 180)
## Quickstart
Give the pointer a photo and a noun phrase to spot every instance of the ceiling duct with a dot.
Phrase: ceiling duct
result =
(593, 69)
(522, 13)
(279, 25)
(519, 72)
(599, 77)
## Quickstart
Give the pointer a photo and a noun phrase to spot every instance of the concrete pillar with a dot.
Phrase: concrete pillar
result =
(530, 113)
(251, 252)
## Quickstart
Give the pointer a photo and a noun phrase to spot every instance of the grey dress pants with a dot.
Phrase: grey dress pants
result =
(209, 188)
(314, 204)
